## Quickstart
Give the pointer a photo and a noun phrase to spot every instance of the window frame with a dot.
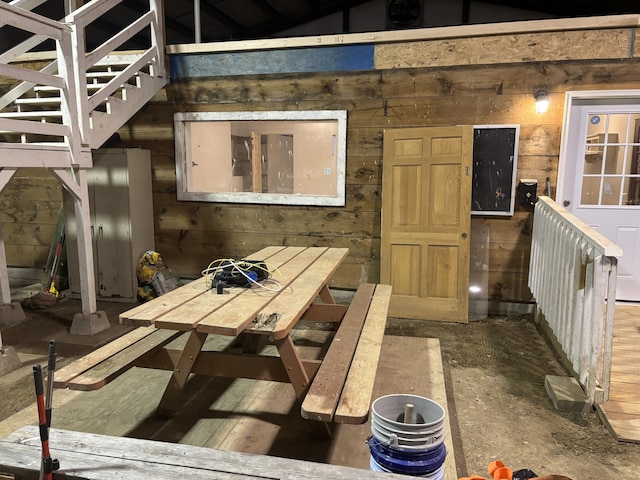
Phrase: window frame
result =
(181, 120)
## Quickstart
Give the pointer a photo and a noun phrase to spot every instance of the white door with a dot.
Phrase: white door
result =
(599, 176)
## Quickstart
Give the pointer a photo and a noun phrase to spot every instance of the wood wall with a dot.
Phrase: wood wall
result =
(189, 235)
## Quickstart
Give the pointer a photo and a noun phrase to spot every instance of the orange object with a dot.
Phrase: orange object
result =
(498, 471)
(502, 473)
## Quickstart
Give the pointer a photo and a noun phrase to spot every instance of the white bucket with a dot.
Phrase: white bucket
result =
(388, 427)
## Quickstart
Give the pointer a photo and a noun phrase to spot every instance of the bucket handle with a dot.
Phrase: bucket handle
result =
(392, 443)
(393, 440)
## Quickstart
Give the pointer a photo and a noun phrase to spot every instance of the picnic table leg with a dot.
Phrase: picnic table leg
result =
(298, 376)
(171, 398)
(325, 295)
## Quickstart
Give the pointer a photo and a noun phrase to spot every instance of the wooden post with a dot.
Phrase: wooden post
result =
(79, 189)
(256, 163)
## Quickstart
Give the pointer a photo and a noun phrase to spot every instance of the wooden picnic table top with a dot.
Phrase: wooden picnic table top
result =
(301, 273)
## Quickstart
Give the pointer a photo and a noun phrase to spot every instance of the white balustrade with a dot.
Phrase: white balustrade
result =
(572, 275)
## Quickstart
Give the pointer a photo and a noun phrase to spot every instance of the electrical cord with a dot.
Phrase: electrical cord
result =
(244, 268)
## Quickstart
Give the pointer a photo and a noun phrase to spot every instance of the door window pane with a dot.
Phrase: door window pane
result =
(614, 159)
(618, 123)
(631, 192)
(590, 190)
(611, 191)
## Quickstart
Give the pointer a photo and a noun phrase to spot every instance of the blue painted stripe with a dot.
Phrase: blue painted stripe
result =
(298, 60)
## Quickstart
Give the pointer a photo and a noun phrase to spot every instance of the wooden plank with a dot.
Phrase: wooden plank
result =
(325, 312)
(355, 399)
(234, 317)
(228, 364)
(120, 361)
(322, 398)
(98, 457)
(64, 375)
(29, 234)
(240, 219)
(222, 243)
(289, 307)
(33, 212)
(146, 313)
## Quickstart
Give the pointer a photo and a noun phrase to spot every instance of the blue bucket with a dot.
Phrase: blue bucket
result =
(437, 475)
(408, 462)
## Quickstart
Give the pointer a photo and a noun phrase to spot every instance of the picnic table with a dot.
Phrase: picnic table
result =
(336, 388)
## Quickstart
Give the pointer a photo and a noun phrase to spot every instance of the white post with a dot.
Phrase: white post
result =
(196, 21)
(5, 290)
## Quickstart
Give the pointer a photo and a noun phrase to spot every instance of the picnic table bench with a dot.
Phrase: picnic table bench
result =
(336, 388)
(89, 456)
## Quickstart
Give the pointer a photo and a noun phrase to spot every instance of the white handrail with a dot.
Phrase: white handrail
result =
(32, 22)
(572, 275)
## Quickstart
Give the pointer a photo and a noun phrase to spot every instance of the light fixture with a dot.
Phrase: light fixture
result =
(542, 101)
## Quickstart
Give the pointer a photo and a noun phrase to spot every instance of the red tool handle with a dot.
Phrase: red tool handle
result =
(42, 421)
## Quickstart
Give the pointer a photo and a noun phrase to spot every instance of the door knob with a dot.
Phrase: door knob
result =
(566, 203)
(464, 235)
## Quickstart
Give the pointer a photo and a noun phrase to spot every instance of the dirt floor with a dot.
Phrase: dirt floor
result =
(494, 372)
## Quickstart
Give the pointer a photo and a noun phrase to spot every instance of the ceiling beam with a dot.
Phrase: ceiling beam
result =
(573, 8)
(220, 16)
(268, 9)
(169, 23)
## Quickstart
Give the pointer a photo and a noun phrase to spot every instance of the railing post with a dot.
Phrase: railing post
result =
(610, 265)
(79, 81)
(157, 35)
(72, 112)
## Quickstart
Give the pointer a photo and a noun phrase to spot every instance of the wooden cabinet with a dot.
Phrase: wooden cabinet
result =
(121, 211)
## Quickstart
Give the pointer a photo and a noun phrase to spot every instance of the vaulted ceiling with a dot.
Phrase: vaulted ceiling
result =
(251, 19)
(222, 20)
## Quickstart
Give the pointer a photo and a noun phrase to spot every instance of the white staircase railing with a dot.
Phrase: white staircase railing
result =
(81, 98)
(572, 275)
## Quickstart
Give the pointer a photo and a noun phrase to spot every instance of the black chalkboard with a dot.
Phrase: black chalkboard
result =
(495, 155)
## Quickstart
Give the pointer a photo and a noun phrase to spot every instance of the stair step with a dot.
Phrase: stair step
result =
(102, 74)
(37, 114)
(38, 101)
(47, 88)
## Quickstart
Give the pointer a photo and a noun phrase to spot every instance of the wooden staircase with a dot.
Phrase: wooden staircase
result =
(54, 117)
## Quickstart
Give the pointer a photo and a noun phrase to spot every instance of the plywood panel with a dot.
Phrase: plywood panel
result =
(496, 49)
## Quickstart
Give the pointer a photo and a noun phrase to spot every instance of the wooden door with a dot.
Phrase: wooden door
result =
(426, 221)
